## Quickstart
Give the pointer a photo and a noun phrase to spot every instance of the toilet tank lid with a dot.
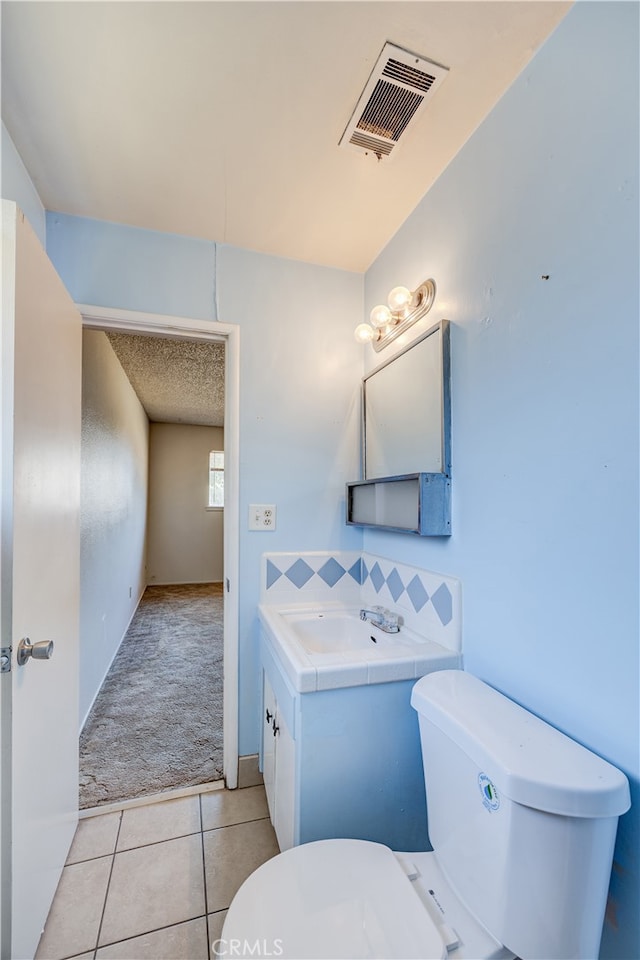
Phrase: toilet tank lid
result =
(527, 760)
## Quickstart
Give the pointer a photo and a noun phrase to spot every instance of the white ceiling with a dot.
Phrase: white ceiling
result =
(221, 120)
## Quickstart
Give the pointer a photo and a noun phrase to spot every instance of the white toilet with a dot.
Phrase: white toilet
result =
(522, 821)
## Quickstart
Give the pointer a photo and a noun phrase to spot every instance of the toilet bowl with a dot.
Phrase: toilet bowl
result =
(352, 899)
(522, 821)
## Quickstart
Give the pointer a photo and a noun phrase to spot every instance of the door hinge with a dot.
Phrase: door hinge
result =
(228, 584)
(5, 659)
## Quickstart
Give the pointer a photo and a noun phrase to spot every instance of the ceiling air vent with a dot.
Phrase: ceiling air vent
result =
(400, 86)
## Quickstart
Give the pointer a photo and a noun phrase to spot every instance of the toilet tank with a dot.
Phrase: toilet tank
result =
(522, 819)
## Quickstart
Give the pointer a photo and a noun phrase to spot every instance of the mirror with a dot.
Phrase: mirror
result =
(406, 410)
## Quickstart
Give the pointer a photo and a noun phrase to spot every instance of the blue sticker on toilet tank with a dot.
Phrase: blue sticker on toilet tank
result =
(490, 797)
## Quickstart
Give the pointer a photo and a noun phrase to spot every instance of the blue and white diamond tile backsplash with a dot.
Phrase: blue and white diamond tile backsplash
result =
(311, 577)
(430, 603)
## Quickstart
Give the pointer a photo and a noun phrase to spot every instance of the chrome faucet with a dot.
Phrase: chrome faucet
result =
(383, 618)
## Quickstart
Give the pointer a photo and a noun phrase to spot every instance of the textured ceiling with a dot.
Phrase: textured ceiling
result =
(221, 120)
(177, 381)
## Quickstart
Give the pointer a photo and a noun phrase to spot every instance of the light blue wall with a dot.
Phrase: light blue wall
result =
(111, 265)
(16, 185)
(545, 395)
(299, 408)
(300, 371)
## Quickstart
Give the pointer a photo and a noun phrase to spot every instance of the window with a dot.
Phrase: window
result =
(216, 479)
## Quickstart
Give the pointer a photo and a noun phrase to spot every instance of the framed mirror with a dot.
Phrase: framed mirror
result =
(406, 410)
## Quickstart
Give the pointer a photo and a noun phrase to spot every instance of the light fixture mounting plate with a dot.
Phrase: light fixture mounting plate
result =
(421, 302)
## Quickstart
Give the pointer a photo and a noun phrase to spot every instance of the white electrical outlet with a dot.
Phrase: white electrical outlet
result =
(262, 516)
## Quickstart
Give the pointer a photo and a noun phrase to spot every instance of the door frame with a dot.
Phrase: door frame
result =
(7, 357)
(184, 328)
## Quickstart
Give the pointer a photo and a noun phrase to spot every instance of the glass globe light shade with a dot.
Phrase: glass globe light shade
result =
(364, 333)
(380, 316)
(399, 299)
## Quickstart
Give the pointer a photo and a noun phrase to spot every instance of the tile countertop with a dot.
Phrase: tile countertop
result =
(405, 656)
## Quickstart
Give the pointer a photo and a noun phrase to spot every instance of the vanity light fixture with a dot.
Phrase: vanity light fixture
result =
(404, 308)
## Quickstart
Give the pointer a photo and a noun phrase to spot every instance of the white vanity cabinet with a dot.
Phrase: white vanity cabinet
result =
(344, 762)
(278, 766)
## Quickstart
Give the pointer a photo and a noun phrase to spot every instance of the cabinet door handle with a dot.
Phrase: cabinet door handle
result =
(269, 716)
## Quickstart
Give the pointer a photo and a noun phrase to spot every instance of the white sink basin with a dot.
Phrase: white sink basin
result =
(339, 632)
(322, 647)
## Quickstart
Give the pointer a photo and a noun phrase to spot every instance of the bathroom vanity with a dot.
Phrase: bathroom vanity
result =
(340, 743)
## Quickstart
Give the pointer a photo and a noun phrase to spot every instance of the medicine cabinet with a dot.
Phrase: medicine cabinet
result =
(406, 441)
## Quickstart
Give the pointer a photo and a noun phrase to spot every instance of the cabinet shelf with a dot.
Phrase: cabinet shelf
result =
(418, 503)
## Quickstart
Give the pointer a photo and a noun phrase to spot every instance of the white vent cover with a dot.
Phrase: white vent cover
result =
(400, 86)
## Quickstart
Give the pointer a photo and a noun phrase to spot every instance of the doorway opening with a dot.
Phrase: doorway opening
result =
(175, 673)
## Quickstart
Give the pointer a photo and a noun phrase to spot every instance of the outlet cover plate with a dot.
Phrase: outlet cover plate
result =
(262, 516)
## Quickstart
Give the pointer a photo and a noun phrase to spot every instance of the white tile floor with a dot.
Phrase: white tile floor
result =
(154, 882)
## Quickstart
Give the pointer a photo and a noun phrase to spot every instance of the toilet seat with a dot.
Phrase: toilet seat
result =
(331, 899)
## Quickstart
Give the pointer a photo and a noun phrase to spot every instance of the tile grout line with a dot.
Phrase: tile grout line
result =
(106, 895)
(238, 823)
(204, 878)
(180, 836)
(146, 933)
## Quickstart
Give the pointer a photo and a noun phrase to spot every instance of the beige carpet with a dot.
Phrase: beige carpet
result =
(157, 722)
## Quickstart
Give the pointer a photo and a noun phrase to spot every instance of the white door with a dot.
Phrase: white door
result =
(41, 376)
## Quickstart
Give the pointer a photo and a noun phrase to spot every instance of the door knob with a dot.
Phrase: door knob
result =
(43, 650)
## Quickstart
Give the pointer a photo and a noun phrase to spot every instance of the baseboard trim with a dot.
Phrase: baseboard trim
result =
(110, 664)
(248, 773)
(184, 583)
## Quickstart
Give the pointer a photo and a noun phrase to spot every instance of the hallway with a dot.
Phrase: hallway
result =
(156, 723)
